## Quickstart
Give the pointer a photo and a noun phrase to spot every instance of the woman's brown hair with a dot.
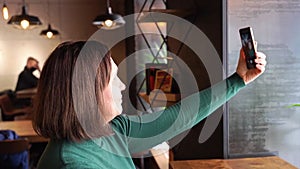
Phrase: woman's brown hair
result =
(69, 102)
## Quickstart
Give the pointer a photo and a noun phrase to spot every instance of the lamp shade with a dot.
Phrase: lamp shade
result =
(49, 32)
(5, 12)
(24, 21)
(109, 21)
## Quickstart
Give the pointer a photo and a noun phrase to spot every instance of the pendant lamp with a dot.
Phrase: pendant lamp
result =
(24, 21)
(5, 11)
(109, 20)
(49, 32)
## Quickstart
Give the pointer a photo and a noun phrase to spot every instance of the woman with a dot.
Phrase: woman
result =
(76, 109)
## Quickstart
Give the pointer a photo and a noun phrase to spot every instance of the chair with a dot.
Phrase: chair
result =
(14, 153)
(9, 112)
(13, 146)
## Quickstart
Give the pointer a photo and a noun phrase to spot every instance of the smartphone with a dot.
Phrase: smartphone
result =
(247, 39)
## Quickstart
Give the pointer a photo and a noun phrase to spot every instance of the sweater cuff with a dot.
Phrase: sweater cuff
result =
(236, 79)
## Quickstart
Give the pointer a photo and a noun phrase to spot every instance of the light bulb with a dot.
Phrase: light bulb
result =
(49, 34)
(24, 24)
(108, 23)
(5, 12)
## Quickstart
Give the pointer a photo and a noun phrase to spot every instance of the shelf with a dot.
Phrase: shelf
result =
(171, 97)
(162, 99)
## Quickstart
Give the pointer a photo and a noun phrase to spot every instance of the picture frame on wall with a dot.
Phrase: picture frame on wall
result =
(151, 69)
(163, 80)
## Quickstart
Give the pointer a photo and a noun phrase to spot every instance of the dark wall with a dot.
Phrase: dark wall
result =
(207, 16)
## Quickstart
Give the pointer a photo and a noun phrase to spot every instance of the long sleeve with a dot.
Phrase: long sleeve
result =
(148, 130)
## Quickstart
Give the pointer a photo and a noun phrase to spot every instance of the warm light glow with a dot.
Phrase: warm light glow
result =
(162, 24)
(5, 12)
(24, 24)
(49, 34)
(108, 23)
(152, 28)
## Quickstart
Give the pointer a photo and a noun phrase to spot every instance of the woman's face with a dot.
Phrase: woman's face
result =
(113, 93)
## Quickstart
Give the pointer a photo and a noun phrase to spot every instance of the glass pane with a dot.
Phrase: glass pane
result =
(260, 120)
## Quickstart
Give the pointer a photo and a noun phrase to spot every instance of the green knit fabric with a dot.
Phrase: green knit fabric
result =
(137, 133)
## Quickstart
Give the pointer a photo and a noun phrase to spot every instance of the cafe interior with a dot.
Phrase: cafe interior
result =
(138, 32)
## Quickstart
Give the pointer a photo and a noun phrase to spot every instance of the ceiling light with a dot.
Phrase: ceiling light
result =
(24, 21)
(5, 11)
(109, 20)
(49, 32)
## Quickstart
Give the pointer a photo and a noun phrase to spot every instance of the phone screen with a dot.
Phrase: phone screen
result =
(247, 39)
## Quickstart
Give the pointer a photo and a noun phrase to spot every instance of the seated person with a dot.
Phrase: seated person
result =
(27, 80)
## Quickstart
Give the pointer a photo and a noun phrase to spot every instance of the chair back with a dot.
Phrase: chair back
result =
(7, 109)
(13, 146)
(10, 113)
(14, 151)
(6, 104)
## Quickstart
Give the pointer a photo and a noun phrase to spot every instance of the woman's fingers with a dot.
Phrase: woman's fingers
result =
(260, 55)
(261, 61)
(261, 68)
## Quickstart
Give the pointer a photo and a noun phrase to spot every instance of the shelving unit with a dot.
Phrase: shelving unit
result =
(158, 100)
(148, 16)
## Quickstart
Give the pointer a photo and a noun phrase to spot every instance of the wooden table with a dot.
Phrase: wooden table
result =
(23, 128)
(272, 162)
(26, 93)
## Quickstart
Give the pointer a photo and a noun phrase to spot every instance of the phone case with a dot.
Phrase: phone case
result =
(247, 40)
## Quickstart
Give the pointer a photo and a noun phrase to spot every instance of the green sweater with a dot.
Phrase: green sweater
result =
(137, 133)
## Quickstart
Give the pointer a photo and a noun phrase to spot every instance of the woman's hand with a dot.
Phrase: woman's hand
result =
(248, 75)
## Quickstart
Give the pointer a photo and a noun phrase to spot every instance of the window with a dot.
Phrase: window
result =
(260, 121)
